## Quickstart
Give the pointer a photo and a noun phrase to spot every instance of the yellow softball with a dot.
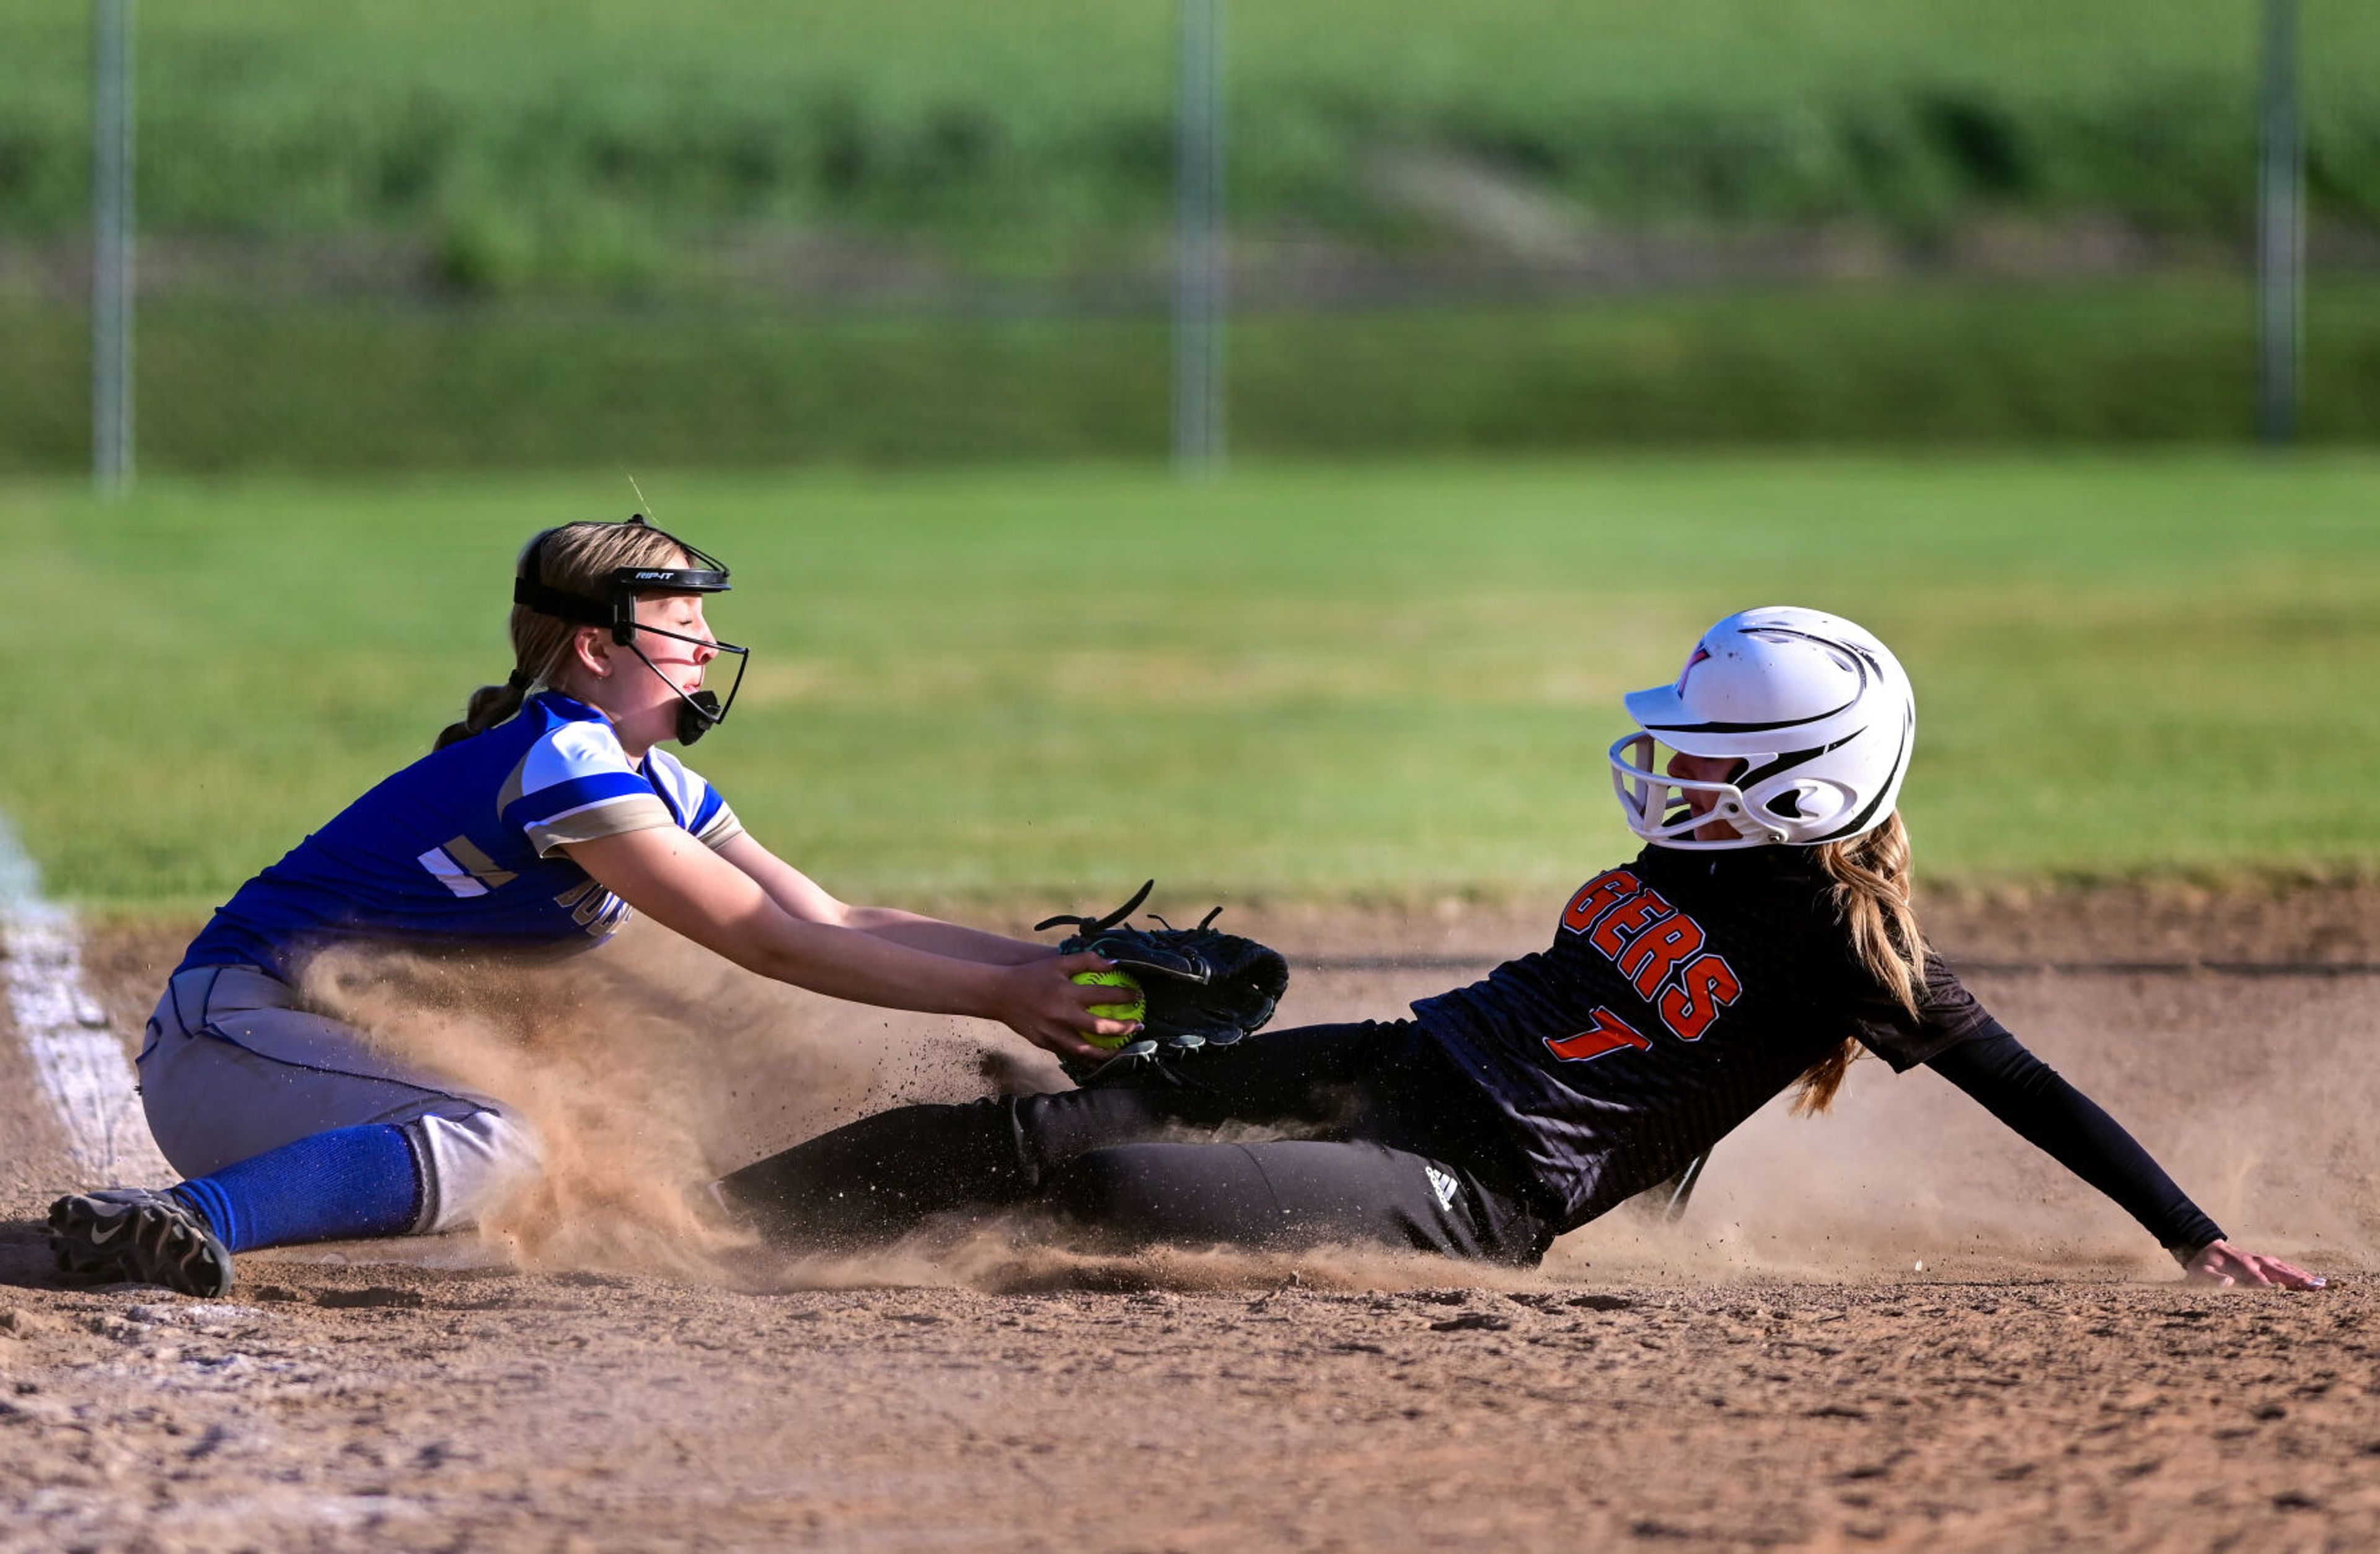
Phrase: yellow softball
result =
(1136, 1010)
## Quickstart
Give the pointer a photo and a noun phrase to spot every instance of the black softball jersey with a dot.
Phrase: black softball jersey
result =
(1682, 991)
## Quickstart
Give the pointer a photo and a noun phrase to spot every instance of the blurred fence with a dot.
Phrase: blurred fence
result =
(720, 231)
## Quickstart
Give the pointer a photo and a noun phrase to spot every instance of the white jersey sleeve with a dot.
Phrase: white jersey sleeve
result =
(575, 784)
(696, 804)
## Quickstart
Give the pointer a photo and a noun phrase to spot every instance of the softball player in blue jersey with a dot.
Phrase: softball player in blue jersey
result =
(540, 821)
(1762, 937)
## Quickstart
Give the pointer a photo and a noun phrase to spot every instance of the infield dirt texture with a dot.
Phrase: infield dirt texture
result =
(1775, 1370)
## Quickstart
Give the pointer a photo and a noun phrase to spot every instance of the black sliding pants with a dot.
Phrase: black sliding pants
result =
(1328, 1133)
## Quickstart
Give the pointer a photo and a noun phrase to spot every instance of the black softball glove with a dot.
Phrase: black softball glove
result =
(1204, 988)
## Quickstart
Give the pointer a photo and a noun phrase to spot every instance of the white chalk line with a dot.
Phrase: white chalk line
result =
(78, 1061)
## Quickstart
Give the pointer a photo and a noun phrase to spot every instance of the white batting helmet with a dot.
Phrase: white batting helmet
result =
(1816, 707)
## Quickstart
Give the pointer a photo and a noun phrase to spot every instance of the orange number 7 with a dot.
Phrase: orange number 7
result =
(1609, 1034)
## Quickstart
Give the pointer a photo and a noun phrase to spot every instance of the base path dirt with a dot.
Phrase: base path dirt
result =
(1895, 1326)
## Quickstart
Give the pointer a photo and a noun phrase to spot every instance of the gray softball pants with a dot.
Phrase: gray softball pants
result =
(233, 1066)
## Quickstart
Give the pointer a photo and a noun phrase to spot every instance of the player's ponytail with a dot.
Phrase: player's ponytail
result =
(1872, 896)
(489, 706)
(577, 558)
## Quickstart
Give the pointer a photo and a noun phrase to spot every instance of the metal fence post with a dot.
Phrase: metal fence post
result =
(111, 266)
(1199, 302)
(2280, 230)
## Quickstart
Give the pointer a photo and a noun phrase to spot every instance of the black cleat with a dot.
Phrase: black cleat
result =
(136, 1236)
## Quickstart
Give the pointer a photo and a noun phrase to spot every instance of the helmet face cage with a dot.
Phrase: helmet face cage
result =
(1646, 799)
(699, 711)
(1815, 714)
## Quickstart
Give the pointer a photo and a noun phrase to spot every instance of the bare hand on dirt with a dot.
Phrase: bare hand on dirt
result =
(1042, 1004)
(2220, 1263)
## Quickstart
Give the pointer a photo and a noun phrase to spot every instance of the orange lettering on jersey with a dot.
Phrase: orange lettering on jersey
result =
(1609, 1034)
(1628, 919)
(1648, 962)
(1703, 988)
(1596, 897)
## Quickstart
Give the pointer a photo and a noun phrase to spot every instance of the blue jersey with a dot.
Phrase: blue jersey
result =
(468, 845)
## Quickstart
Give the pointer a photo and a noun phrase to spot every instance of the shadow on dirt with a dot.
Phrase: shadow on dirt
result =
(25, 1260)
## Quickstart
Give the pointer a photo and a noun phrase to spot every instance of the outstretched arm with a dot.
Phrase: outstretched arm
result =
(2042, 1107)
(804, 898)
(685, 886)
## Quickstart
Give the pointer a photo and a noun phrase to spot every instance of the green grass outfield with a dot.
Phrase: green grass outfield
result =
(1318, 681)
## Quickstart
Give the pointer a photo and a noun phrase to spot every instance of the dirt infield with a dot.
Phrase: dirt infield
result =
(1895, 1326)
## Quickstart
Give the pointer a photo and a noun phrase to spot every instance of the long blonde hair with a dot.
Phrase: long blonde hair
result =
(1872, 897)
(577, 558)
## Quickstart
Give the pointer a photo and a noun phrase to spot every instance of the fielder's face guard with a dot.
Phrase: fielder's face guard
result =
(698, 711)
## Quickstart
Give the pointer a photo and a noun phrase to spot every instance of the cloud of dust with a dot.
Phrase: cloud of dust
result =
(2255, 1094)
(1022, 1253)
(651, 1070)
(635, 1069)
(648, 1073)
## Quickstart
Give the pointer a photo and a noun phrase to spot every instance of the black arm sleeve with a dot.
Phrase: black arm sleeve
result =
(2029, 1095)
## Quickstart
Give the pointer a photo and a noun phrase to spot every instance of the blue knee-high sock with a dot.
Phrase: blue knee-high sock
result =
(347, 1183)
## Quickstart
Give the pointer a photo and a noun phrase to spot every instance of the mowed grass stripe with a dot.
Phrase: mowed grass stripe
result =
(1316, 681)
(343, 390)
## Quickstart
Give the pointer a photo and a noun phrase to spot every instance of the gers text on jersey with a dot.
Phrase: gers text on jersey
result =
(1665, 953)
